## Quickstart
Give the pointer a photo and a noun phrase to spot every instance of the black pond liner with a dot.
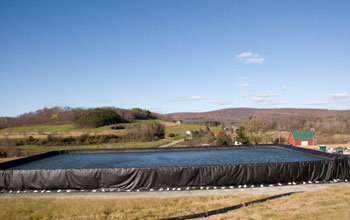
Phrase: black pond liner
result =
(327, 167)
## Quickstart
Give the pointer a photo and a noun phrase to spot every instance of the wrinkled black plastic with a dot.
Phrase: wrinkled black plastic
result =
(328, 168)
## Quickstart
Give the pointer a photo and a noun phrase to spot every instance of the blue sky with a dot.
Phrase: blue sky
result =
(171, 56)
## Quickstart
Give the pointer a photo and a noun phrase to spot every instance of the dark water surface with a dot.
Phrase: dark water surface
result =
(159, 159)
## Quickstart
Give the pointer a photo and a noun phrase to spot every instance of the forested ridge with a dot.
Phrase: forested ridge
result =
(81, 117)
(322, 120)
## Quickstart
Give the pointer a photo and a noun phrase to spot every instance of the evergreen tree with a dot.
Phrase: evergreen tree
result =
(241, 137)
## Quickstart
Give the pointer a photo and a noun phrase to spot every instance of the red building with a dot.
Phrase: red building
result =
(301, 138)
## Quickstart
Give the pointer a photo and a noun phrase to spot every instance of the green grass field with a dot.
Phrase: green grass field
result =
(54, 128)
(178, 128)
(61, 128)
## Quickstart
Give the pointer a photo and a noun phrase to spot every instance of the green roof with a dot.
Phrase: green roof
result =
(302, 135)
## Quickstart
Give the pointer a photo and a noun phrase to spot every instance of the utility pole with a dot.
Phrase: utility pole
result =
(314, 136)
(279, 137)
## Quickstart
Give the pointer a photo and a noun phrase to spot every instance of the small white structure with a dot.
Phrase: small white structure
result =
(189, 132)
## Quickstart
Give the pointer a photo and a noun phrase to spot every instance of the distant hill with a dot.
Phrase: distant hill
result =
(237, 113)
(68, 115)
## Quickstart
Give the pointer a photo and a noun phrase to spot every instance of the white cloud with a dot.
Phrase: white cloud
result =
(221, 102)
(340, 97)
(191, 98)
(243, 85)
(246, 54)
(267, 94)
(315, 103)
(255, 60)
(333, 100)
(249, 57)
(258, 99)
(265, 99)
(264, 102)
(286, 88)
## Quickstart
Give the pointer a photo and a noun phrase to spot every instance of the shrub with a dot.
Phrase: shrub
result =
(3, 153)
(145, 131)
(241, 137)
(223, 139)
(139, 113)
(9, 148)
(168, 135)
(218, 133)
(201, 137)
(118, 127)
(67, 141)
(96, 118)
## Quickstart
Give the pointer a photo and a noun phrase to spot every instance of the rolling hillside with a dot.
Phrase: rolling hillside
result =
(235, 113)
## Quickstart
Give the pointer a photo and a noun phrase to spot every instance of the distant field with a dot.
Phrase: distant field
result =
(41, 131)
(182, 128)
(70, 128)
(61, 128)
(52, 128)
(333, 138)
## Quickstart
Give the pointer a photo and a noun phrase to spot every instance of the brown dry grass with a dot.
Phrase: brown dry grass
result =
(8, 159)
(169, 124)
(112, 208)
(323, 204)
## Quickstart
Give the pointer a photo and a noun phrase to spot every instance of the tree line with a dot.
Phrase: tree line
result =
(332, 124)
(67, 115)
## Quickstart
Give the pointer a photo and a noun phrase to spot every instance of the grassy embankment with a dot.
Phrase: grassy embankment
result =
(7, 159)
(323, 204)
(51, 128)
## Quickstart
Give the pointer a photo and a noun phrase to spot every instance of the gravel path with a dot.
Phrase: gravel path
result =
(172, 143)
